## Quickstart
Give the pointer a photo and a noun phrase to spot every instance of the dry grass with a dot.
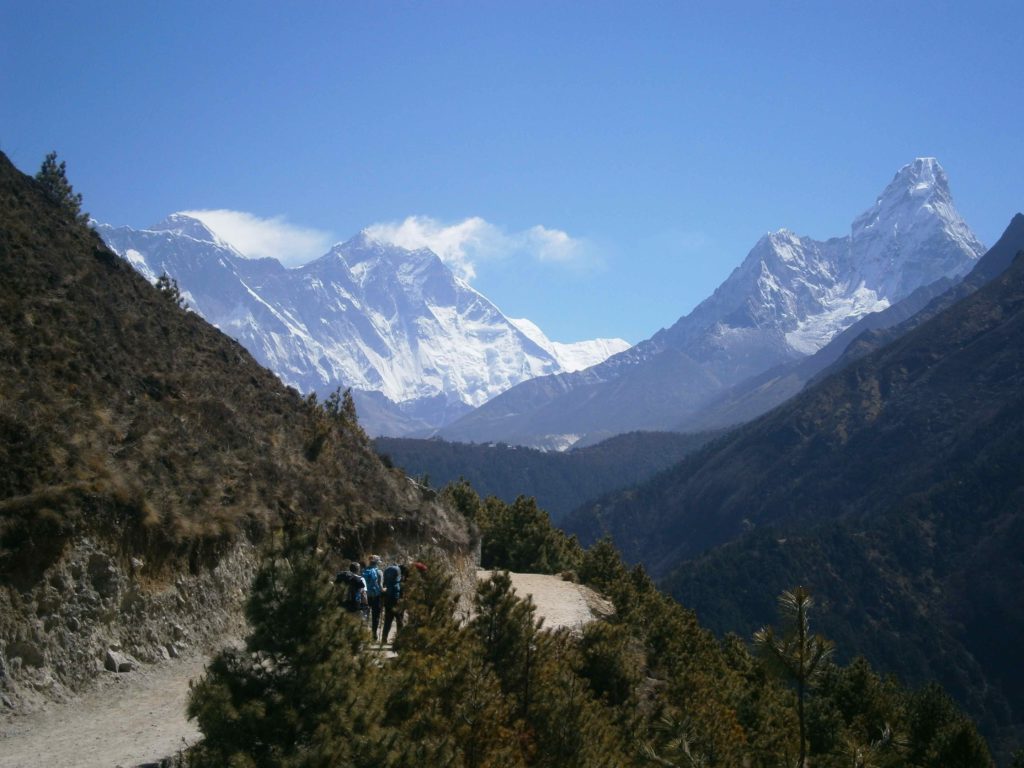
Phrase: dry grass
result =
(123, 416)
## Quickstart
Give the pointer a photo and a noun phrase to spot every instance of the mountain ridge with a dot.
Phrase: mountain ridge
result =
(890, 487)
(366, 315)
(788, 297)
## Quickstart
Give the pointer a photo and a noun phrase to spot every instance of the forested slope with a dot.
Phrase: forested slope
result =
(559, 482)
(892, 488)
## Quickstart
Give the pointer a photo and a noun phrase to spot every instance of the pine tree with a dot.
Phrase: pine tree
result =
(940, 735)
(294, 695)
(169, 289)
(562, 724)
(446, 704)
(568, 725)
(508, 633)
(53, 176)
(520, 537)
(796, 654)
(465, 500)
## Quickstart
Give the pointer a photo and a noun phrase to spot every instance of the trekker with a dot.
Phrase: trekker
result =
(354, 597)
(374, 590)
(392, 595)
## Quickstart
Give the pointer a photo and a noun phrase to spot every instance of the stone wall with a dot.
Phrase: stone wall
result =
(94, 613)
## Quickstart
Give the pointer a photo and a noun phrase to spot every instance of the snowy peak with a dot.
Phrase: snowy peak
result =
(363, 254)
(189, 226)
(918, 192)
(809, 290)
(368, 315)
(574, 356)
(912, 235)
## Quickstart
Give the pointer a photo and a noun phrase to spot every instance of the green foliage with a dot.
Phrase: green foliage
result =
(647, 687)
(799, 656)
(293, 696)
(560, 481)
(463, 499)
(53, 176)
(169, 289)
(327, 421)
(613, 661)
(561, 721)
(940, 735)
(446, 700)
(517, 537)
(520, 537)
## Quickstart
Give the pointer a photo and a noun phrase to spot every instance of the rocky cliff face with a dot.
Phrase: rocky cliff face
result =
(146, 461)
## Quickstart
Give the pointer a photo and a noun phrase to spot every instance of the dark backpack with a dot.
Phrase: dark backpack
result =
(353, 584)
(372, 576)
(393, 581)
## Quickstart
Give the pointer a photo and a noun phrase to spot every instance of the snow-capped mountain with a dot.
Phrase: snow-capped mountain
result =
(575, 356)
(786, 300)
(367, 315)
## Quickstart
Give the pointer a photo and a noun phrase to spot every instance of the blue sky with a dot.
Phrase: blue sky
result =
(596, 167)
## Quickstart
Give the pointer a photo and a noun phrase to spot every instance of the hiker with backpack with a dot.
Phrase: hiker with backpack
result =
(354, 596)
(374, 591)
(392, 595)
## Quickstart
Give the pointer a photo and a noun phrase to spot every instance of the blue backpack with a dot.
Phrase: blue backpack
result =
(393, 581)
(372, 576)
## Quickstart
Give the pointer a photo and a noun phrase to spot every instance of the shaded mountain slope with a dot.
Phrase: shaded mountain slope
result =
(560, 482)
(143, 456)
(761, 393)
(996, 261)
(893, 488)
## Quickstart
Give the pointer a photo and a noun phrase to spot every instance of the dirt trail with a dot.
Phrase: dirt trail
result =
(561, 603)
(137, 718)
(125, 720)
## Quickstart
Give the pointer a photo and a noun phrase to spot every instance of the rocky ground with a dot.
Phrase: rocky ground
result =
(137, 718)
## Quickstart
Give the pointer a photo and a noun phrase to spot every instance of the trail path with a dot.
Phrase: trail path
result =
(561, 603)
(138, 718)
(125, 720)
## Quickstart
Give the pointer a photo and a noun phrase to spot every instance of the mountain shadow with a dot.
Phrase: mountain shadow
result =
(761, 393)
(892, 488)
(560, 482)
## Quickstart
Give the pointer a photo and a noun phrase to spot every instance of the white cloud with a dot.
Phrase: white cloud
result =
(275, 237)
(553, 245)
(474, 240)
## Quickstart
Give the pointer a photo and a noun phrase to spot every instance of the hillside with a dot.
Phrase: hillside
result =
(560, 482)
(144, 459)
(892, 488)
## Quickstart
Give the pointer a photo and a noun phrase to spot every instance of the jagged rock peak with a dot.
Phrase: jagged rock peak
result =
(183, 224)
(919, 190)
(363, 247)
(913, 234)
